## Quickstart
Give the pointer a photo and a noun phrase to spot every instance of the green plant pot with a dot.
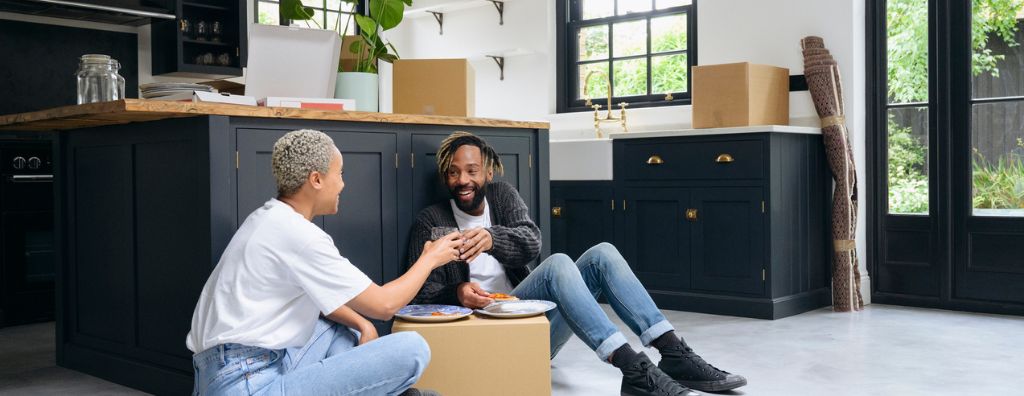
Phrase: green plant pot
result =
(359, 86)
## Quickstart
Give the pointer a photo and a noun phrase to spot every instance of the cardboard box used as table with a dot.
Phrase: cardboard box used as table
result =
(434, 87)
(484, 356)
(740, 94)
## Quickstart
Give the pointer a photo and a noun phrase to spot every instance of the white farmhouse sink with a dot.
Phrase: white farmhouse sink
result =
(581, 159)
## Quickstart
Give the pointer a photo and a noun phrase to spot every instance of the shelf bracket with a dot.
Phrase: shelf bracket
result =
(500, 60)
(439, 16)
(500, 5)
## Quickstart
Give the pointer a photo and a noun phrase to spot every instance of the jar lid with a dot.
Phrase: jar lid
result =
(97, 58)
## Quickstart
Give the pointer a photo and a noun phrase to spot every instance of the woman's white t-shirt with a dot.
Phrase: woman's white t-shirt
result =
(278, 273)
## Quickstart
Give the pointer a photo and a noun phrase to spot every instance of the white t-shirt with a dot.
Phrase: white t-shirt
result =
(278, 273)
(484, 269)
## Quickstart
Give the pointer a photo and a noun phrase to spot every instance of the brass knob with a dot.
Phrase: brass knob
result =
(556, 211)
(691, 214)
(655, 160)
(724, 159)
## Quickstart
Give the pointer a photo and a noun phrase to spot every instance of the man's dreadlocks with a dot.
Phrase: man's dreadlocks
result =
(460, 138)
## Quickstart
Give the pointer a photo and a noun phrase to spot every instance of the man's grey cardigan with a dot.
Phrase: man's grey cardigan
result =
(516, 243)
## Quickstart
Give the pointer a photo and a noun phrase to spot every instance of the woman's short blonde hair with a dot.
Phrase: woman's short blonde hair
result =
(296, 155)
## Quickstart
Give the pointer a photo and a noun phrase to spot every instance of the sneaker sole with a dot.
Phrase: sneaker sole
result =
(713, 386)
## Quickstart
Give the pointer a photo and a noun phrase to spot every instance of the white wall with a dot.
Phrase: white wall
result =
(758, 31)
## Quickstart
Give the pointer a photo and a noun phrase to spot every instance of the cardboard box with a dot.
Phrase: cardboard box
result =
(484, 356)
(434, 87)
(740, 94)
(348, 60)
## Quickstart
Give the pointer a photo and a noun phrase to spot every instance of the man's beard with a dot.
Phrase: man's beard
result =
(478, 197)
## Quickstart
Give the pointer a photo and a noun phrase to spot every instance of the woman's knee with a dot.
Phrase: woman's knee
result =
(414, 348)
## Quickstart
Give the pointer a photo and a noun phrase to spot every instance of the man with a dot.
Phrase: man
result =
(500, 240)
(257, 326)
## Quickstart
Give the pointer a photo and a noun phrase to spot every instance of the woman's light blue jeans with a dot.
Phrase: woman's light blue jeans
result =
(329, 364)
(575, 287)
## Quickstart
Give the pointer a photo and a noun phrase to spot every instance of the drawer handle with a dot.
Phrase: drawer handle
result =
(691, 215)
(556, 211)
(724, 159)
(655, 160)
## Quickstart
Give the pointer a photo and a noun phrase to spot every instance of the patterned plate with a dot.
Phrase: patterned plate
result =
(516, 309)
(425, 313)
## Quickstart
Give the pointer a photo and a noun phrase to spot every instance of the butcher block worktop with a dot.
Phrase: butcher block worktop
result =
(137, 110)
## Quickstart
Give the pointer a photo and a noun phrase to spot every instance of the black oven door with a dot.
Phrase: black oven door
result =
(29, 267)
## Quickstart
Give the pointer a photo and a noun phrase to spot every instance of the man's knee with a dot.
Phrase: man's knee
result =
(560, 263)
(605, 248)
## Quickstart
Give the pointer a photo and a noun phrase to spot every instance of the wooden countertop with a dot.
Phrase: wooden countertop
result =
(139, 110)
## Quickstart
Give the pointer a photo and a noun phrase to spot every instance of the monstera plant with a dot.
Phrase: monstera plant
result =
(384, 15)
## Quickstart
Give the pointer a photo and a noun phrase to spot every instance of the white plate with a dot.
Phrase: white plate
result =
(516, 309)
(423, 313)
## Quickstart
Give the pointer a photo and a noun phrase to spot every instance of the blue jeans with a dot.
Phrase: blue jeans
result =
(329, 364)
(575, 287)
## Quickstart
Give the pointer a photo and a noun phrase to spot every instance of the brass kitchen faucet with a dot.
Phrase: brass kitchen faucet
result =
(608, 117)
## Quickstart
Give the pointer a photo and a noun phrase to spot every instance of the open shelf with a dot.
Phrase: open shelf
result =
(208, 42)
(206, 6)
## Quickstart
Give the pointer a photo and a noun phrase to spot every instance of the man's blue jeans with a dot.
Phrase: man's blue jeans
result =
(329, 364)
(575, 287)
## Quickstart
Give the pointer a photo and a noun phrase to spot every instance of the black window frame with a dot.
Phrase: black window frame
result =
(360, 6)
(566, 15)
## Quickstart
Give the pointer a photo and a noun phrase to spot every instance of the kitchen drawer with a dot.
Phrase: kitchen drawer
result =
(685, 160)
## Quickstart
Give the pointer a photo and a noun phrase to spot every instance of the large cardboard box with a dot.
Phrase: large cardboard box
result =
(348, 59)
(483, 356)
(740, 94)
(434, 87)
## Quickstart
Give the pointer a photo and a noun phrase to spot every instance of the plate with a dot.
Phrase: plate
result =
(425, 313)
(516, 309)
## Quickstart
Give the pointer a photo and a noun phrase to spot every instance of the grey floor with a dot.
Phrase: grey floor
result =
(884, 350)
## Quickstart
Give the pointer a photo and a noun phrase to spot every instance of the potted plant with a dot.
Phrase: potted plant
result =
(362, 83)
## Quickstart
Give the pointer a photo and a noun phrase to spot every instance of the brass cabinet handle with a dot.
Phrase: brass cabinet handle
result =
(556, 211)
(691, 214)
(655, 160)
(724, 159)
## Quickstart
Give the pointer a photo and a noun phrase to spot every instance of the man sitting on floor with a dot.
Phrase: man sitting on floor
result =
(255, 329)
(500, 240)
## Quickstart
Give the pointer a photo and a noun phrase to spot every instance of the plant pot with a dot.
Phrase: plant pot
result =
(362, 87)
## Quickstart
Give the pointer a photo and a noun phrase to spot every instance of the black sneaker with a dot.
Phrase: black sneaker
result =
(419, 392)
(685, 366)
(643, 378)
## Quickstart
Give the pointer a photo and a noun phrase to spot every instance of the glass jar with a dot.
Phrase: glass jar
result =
(98, 79)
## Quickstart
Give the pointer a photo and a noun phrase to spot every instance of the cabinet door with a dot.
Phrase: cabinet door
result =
(728, 240)
(581, 217)
(365, 228)
(654, 235)
(428, 189)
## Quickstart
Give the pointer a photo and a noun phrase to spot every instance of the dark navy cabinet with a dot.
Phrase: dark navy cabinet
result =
(580, 215)
(145, 210)
(730, 224)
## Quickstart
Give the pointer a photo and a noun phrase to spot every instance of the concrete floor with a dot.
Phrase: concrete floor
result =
(884, 350)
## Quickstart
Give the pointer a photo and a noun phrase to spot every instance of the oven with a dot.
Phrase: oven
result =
(27, 259)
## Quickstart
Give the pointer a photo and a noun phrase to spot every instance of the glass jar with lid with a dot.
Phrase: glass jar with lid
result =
(98, 79)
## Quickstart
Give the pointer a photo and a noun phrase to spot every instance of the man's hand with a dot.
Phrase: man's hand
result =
(477, 240)
(472, 296)
(442, 251)
(367, 333)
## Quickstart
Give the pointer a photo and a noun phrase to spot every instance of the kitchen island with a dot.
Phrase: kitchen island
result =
(149, 193)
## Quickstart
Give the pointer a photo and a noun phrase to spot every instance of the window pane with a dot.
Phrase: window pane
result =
(908, 160)
(593, 81)
(590, 9)
(668, 33)
(593, 42)
(907, 45)
(628, 6)
(998, 57)
(317, 21)
(671, 3)
(269, 13)
(997, 154)
(334, 4)
(347, 19)
(332, 21)
(630, 38)
(630, 77)
(668, 74)
(313, 3)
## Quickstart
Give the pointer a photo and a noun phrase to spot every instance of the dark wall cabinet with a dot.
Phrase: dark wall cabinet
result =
(726, 224)
(147, 208)
(208, 39)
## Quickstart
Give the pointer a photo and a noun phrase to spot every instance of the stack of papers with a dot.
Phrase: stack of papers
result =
(172, 91)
